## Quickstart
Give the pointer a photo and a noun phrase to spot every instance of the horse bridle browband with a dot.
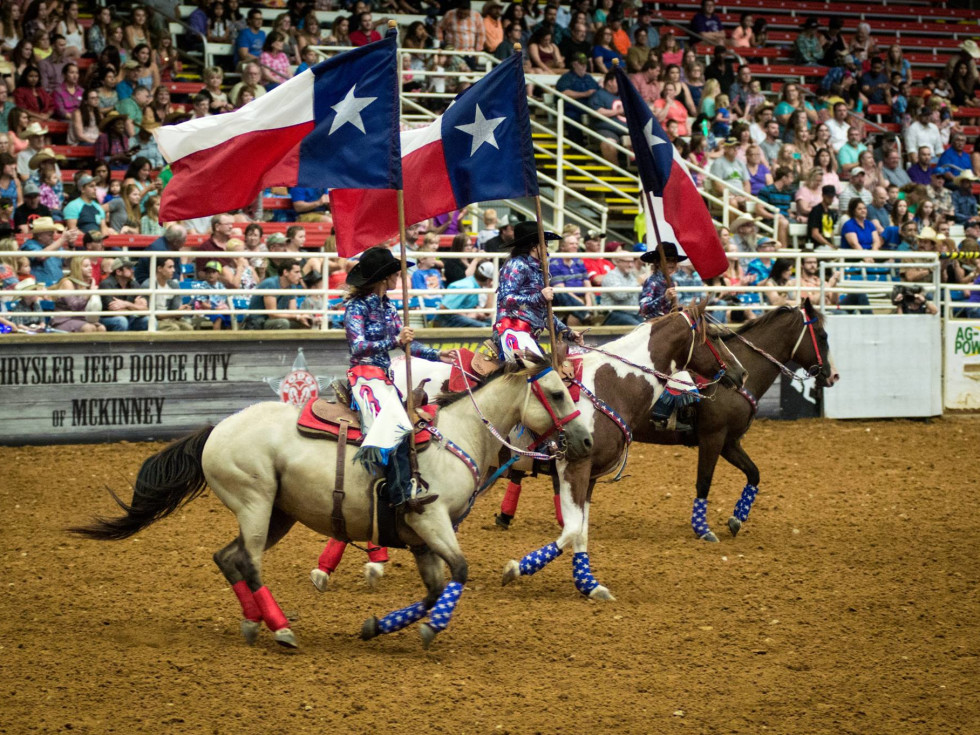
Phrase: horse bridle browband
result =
(808, 326)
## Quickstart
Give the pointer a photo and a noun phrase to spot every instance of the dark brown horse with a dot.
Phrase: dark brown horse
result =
(780, 336)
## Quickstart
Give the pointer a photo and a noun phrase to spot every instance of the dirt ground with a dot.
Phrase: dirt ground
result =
(847, 604)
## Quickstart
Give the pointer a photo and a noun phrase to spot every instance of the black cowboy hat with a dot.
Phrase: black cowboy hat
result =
(526, 236)
(374, 265)
(670, 253)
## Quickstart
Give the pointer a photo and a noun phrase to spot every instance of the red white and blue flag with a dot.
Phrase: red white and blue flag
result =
(478, 150)
(678, 209)
(333, 125)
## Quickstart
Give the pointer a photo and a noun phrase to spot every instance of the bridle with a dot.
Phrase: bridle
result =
(808, 327)
(694, 324)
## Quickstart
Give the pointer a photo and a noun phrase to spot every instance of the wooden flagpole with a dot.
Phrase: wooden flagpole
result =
(543, 257)
(410, 396)
(656, 235)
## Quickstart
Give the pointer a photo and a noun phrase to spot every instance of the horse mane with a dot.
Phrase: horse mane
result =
(510, 369)
(762, 322)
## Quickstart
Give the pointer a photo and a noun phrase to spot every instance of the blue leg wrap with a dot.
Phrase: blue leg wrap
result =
(400, 618)
(744, 504)
(582, 573)
(442, 613)
(538, 560)
(699, 517)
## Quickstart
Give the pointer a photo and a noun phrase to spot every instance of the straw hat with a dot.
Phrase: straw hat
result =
(927, 233)
(45, 154)
(34, 129)
(965, 175)
(28, 284)
(110, 118)
(46, 224)
(970, 46)
(745, 219)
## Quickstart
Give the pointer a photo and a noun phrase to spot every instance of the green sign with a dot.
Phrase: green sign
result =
(967, 341)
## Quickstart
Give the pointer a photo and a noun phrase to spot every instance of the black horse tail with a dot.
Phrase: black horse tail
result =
(166, 481)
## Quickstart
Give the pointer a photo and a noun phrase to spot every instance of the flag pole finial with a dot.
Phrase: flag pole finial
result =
(615, 61)
(517, 47)
(392, 24)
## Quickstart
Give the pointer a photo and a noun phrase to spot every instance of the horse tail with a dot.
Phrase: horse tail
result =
(167, 480)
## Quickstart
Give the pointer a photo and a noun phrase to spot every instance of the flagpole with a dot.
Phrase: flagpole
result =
(543, 257)
(410, 395)
(656, 235)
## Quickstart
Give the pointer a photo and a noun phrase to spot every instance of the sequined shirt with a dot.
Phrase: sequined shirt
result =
(653, 297)
(519, 295)
(372, 325)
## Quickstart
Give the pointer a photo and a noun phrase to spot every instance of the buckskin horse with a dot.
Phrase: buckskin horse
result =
(723, 417)
(618, 387)
(270, 476)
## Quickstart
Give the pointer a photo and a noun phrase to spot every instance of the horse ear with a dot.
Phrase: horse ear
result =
(561, 351)
(808, 308)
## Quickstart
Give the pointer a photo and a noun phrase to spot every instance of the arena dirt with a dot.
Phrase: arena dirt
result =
(848, 604)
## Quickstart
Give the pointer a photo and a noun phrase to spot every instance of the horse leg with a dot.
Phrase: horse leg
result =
(374, 567)
(431, 570)
(709, 447)
(556, 486)
(508, 506)
(734, 453)
(436, 529)
(585, 582)
(328, 562)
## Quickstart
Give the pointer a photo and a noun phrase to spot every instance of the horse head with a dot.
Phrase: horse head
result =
(812, 351)
(549, 410)
(684, 341)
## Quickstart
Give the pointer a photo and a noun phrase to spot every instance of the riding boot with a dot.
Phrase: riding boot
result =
(403, 490)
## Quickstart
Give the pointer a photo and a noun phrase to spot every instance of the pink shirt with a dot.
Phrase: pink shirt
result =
(742, 38)
(278, 63)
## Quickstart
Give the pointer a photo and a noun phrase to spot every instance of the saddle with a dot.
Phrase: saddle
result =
(476, 367)
(323, 419)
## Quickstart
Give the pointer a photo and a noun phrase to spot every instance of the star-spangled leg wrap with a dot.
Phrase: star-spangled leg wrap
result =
(582, 573)
(744, 504)
(400, 618)
(699, 517)
(538, 560)
(442, 613)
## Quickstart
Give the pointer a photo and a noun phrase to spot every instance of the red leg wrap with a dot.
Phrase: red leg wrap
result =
(271, 612)
(250, 608)
(511, 496)
(333, 552)
(561, 521)
(377, 553)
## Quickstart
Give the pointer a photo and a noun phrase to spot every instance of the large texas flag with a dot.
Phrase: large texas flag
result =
(681, 214)
(478, 150)
(334, 125)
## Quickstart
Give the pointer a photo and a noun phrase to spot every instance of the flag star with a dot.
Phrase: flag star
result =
(652, 140)
(482, 130)
(349, 111)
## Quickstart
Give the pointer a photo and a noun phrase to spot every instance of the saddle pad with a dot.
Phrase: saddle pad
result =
(458, 382)
(311, 425)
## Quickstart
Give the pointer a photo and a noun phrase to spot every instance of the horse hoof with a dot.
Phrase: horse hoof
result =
(502, 521)
(370, 629)
(285, 638)
(250, 630)
(320, 579)
(709, 537)
(734, 525)
(428, 634)
(511, 572)
(373, 572)
(602, 593)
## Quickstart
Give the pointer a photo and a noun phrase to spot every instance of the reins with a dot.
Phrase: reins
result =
(807, 324)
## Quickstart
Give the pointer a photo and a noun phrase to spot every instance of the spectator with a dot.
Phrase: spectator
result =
(558, 32)
(274, 61)
(920, 172)
(810, 282)
(643, 22)
(130, 80)
(160, 108)
(488, 231)
(31, 208)
(810, 192)
(46, 235)
(621, 39)
(84, 212)
(743, 36)
(939, 194)
(686, 277)
(27, 304)
(121, 277)
(858, 233)
(475, 316)
(68, 95)
(30, 96)
(134, 106)
(729, 169)
(902, 237)
(98, 33)
(251, 39)
(340, 32)
(924, 133)
(668, 108)
(603, 53)
(638, 53)
(792, 101)
(771, 145)
(502, 241)
(52, 68)
(740, 90)
(80, 277)
(895, 63)
(138, 29)
(280, 306)
(779, 196)
(707, 24)
(963, 83)
(544, 54)
(310, 204)
(760, 175)
(251, 84)
(877, 211)
(855, 189)
(165, 270)
(822, 219)
(809, 44)
(112, 144)
(875, 83)
(955, 159)
(493, 27)
(669, 50)
(605, 102)
(427, 276)
(891, 169)
(10, 186)
(850, 152)
(746, 235)
(172, 239)
(576, 42)
(218, 27)
(838, 126)
(203, 301)
(570, 272)
(963, 200)
(461, 27)
(512, 37)
(623, 275)
(722, 66)
(597, 268)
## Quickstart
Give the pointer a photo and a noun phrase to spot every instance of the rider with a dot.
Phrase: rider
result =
(373, 329)
(658, 299)
(522, 298)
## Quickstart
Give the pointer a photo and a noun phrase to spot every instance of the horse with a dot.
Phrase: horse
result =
(723, 418)
(270, 476)
(619, 386)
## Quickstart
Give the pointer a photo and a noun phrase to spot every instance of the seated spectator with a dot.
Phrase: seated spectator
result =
(638, 53)
(955, 159)
(760, 175)
(597, 268)
(731, 170)
(211, 302)
(912, 300)
(577, 42)
(112, 144)
(134, 106)
(964, 201)
(456, 268)
(570, 272)
(745, 234)
(165, 270)
(938, 194)
(810, 281)
(84, 213)
(848, 154)
(707, 24)
(875, 83)
(251, 84)
(809, 43)
(810, 192)
(243, 273)
(310, 204)
(781, 276)
(891, 169)
(25, 310)
(623, 275)
(83, 129)
(172, 239)
(924, 133)
(779, 195)
(80, 278)
(920, 172)
(121, 277)
(274, 62)
(603, 52)
(685, 276)
(489, 230)
(365, 33)
(282, 307)
(251, 38)
(427, 276)
(855, 189)
(822, 218)
(29, 95)
(68, 93)
(31, 209)
(792, 101)
(475, 316)
(838, 126)
(606, 102)
(901, 237)
(47, 235)
(544, 54)
(858, 233)
(877, 210)
(502, 241)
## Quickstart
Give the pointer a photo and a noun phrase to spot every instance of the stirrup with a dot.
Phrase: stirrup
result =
(418, 503)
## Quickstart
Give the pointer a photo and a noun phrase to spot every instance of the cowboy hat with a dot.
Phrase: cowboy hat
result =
(970, 46)
(375, 264)
(526, 236)
(965, 175)
(45, 154)
(745, 219)
(121, 263)
(927, 233)
(34, 129)
(110, 118)
(28, 284)
(46, 224)
(149, 125)
(175, 118)
(670, 253)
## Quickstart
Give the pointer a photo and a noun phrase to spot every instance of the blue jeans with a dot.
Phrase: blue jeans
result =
(622, 319)
(856, 299)
(567, 299)
(124, 323)
(457, 320)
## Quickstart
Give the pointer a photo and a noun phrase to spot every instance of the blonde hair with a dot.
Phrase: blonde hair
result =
(712, 87)
(133, 213)
(234, 244)
(430, 241)
(722, 101)
(489, 215)
(213, 72)
(9, 244)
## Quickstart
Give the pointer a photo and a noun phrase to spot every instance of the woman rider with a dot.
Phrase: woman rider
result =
(522, 299)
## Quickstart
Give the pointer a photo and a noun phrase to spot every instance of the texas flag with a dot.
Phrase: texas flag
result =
(680, 212)
(478, 150)
(334, 125)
